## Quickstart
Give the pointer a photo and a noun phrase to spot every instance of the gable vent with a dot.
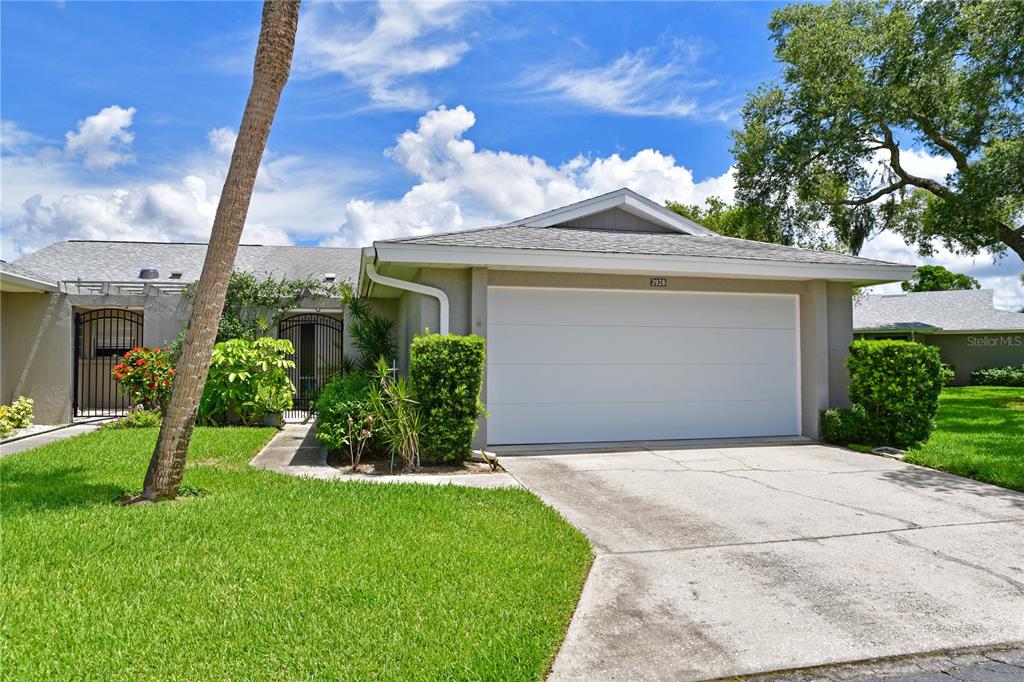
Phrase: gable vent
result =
(149, 273)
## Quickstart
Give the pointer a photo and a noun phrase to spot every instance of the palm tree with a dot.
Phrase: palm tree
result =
(270, 73)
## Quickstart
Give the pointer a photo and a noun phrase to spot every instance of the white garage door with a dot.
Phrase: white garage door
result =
(585, 365)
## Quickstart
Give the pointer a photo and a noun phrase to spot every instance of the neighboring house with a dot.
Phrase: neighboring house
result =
(611, 319)
(968, 330)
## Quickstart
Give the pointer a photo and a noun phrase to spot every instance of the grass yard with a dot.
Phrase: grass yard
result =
(980, 434)
(268, 576)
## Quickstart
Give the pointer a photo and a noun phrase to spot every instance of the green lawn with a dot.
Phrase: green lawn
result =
(980, 434)
(268, 576)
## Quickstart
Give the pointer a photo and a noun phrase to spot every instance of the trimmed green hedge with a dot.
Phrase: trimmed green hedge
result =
(897, 383)
(447, 373)
(998, 376)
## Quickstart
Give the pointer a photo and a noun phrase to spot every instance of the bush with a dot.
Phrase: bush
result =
(344, 397)
(897, 383)
(998, 376)
(136, 418)
(948, 374)
(843, 426)
(145, 376)
(17, 415)
(446, 374)
(248, 380)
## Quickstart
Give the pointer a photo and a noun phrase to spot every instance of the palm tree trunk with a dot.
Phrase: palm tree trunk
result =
(270, 73)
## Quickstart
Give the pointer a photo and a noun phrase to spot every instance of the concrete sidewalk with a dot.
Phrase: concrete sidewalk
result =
(295, 451)
(38, 439)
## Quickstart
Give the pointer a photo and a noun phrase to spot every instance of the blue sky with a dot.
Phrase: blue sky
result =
(398, 119)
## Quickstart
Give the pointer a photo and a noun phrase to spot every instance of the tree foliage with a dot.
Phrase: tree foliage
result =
(755, 222)
(938, 278)
(864, 81)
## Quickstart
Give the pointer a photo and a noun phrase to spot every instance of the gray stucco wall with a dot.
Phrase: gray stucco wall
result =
(840, 336)
(968, 352)
(37, 333)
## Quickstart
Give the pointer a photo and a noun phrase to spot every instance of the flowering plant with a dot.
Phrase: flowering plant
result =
(145, 376)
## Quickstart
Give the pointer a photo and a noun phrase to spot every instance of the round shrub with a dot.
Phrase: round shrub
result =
(344, 397)
(447, 373)
(897, 383)
(844, 426)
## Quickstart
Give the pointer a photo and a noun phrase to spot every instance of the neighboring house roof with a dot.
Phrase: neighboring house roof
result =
(931, 311)
(17, 279)
(631, 243)
(115, 261)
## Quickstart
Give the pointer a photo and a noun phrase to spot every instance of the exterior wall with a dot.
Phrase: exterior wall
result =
(37, 336)
(968, 352)
(163, 318)
(840, 336)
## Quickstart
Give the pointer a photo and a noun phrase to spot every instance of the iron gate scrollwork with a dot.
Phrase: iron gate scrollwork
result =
(317, 339)
(101, 338)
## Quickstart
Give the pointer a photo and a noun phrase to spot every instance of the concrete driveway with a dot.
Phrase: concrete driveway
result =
(728, 561)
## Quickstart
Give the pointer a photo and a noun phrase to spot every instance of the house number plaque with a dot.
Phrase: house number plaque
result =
(659, 282)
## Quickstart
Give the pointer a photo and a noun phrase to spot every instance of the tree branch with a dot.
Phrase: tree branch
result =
(936, 188)
(938, 138)
(875, 195)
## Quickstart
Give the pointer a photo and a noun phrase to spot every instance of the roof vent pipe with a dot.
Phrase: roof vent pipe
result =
(442, 298)
(149, 273)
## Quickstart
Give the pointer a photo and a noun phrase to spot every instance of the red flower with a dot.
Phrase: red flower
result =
(153, 385)
(170, 372)
(140, 362)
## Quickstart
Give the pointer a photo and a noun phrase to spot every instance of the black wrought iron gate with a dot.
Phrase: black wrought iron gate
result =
(101, 338)
(317, 339)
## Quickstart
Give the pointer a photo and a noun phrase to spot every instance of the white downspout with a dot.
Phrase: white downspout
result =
(442, 298)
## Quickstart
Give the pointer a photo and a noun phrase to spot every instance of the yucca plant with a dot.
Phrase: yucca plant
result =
(398, 416)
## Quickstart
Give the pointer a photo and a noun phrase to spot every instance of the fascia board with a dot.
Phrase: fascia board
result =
(570, 261)
(23, 283)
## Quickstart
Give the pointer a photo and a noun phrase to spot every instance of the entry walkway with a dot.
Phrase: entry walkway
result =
(45, 437)
(295, 451)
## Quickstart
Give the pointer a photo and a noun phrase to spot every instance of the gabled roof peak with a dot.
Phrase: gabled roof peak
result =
(623, 199)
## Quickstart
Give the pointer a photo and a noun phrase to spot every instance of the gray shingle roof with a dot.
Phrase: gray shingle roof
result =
(930, 310)
(632, 243)
(18, 269)
(110, 261)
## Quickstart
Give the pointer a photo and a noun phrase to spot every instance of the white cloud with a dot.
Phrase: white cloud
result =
(383, 56)
(45, 198)
(640, 83)
(103, 139)
(13, 138)
(460, 185)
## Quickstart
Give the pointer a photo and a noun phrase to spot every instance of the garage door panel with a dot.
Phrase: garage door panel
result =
(555, 344)
(569, 365)
(637, 383)
(580, 423)
(632, 308)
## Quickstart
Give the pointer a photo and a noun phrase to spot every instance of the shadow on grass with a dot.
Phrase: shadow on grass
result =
(31, 491)
(942, 482)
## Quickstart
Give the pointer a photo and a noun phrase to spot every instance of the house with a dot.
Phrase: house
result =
(967, 328)
(611, 319)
